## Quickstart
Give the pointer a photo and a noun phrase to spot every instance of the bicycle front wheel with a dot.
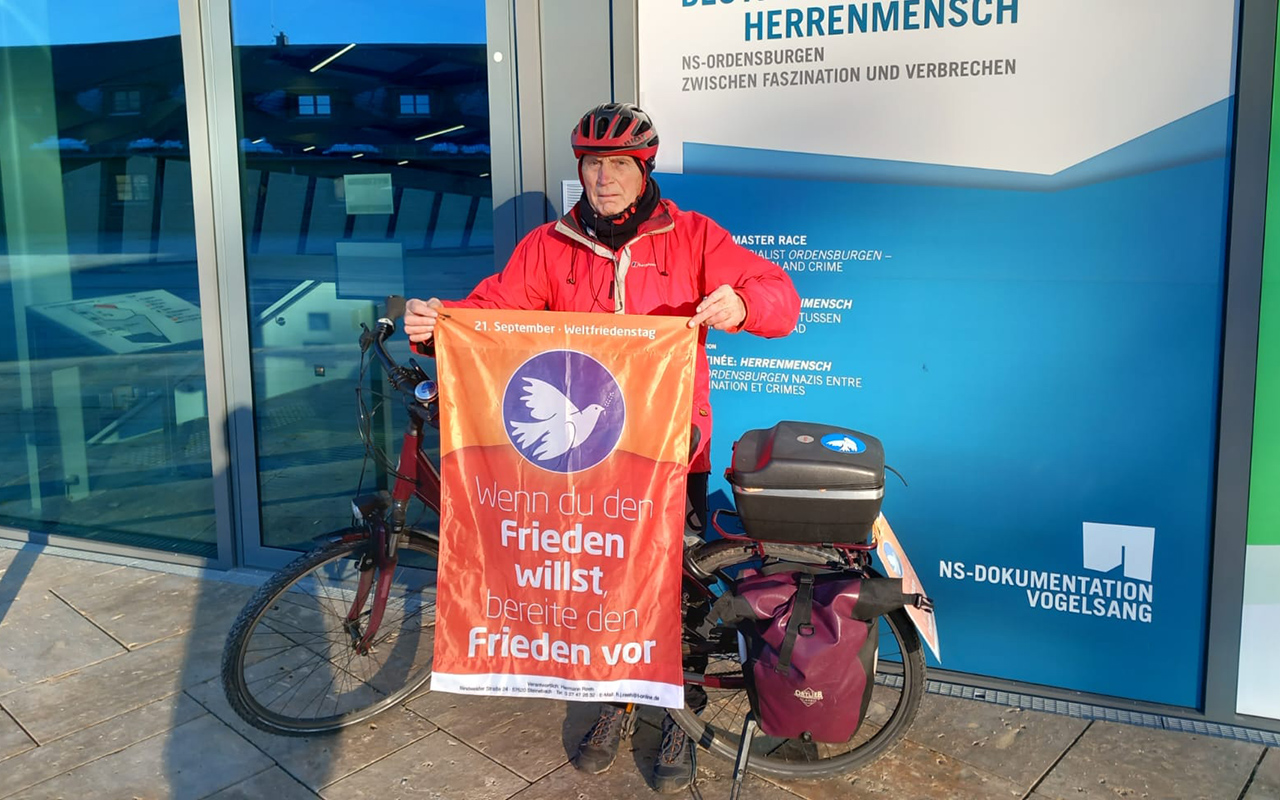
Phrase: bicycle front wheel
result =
(895, 698)
(291, 665)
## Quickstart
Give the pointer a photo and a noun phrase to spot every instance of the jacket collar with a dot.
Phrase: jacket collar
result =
(662, 221)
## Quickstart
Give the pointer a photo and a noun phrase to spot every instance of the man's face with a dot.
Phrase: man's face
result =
(611, 183)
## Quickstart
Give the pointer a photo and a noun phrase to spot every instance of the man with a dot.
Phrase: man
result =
(624, 249)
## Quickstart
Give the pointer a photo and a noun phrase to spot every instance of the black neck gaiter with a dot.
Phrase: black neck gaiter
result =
(616, 230)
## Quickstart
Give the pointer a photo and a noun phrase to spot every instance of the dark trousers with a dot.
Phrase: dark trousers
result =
(695, 522)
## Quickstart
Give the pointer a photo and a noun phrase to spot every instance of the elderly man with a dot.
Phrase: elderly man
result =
(625, 249)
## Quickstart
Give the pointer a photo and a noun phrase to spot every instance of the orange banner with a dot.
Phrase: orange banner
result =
(564, 444)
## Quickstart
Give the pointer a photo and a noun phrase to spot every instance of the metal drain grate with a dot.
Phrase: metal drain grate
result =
(1089, 711)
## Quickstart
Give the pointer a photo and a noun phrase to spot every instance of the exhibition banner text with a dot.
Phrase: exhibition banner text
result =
(1006, 222)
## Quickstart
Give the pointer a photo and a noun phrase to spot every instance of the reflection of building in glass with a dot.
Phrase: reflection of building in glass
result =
(416, 112)
(359, 177)
(407, 124)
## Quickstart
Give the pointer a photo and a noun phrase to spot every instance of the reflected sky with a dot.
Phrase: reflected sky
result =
(44, 22)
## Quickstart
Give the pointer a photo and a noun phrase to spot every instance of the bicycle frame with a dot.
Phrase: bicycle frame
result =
(415, 476)
(359, 581)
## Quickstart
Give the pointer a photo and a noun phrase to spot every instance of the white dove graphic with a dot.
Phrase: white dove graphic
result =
(559, 426)
(846, 445)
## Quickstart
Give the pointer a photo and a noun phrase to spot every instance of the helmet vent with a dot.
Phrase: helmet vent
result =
(616, 129)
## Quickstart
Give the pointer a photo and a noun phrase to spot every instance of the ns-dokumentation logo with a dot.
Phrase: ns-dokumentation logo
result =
(1119, 557)
(563, 411)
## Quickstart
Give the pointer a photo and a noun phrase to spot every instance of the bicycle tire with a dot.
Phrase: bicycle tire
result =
(289, 667)
(895, 699)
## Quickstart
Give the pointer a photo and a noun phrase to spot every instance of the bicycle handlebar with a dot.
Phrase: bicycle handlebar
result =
(410, 380)
(395, 308)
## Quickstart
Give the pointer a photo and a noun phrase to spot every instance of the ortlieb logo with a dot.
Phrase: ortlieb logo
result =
(1128, 595)
(808, 696)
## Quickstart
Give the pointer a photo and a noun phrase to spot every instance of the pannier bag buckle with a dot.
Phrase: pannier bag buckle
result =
(806, 630)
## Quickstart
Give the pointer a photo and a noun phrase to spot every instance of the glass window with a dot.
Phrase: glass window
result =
(341, 210)
(133, 188)
(127, 101)
(104, 433)
(415, 105)
(310, 105)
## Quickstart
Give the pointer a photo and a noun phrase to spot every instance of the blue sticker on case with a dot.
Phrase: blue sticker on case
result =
(843, 443)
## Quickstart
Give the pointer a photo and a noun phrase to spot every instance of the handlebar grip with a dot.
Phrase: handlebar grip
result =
(395, 306)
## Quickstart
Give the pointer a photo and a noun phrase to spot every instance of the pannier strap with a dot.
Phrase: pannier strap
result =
(876, 597)
(800, 623)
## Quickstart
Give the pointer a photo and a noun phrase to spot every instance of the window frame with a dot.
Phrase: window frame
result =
(416, 99)
(301, 103)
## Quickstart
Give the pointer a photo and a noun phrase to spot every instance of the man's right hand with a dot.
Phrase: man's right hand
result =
(420, 318)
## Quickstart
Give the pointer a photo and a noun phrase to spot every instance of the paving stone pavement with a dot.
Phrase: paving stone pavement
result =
(109, 689)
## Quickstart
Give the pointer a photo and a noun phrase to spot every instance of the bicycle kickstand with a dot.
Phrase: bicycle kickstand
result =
(749, 730)
(628, 721)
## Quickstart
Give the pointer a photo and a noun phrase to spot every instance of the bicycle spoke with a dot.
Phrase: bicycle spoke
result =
(299, 662)
(898, 683)
(284, 678)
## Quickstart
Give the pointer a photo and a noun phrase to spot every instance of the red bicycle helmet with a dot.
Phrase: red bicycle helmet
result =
(616, 129)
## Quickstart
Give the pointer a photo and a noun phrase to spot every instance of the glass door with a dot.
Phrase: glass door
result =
(365, 161)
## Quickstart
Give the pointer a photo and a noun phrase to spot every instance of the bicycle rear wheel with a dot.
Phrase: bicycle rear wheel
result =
(899, 686)
(290, 665)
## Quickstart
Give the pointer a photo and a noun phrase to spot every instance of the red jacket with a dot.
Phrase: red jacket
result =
(676, 258)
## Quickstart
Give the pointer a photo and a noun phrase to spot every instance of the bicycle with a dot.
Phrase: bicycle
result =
(346, 630)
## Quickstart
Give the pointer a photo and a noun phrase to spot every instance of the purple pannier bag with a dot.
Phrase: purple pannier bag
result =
(811, 648)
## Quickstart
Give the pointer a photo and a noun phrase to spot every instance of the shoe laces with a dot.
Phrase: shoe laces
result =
(606, 727)
(674, 742)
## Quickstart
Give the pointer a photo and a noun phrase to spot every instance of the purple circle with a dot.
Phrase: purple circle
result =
(556, 435)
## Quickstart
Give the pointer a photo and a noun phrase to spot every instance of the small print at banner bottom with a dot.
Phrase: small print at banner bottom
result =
(564, 445)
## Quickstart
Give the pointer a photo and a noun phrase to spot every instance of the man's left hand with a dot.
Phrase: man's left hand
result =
(723, 310)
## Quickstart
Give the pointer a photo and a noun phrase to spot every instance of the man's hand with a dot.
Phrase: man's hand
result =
(420, 318)
(723, 310)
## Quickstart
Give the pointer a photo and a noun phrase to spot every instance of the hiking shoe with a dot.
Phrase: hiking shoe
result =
(673, 769)
(599, 747)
